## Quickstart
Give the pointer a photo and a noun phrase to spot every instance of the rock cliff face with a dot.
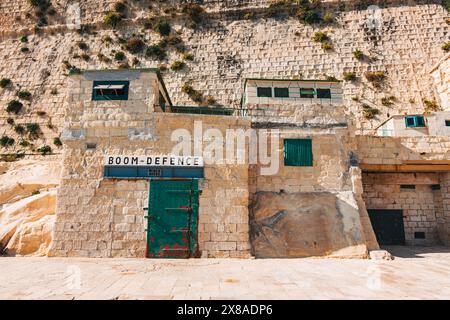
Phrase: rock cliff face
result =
(27, 206)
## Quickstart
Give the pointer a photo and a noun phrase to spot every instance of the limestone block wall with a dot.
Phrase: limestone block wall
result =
(311, 211)
(441, 77)
(100, 217)
(394, 150)
(444, 225)
(227, 48)
(422, 206)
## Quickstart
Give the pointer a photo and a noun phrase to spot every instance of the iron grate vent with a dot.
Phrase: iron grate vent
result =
(154, 172)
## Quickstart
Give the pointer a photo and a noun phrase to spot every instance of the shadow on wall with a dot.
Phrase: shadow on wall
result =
(305, 224)
(414, 252)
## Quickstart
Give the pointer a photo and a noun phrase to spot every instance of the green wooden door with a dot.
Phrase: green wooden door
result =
(172, 219)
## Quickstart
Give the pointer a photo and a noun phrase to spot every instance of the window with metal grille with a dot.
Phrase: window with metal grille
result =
(154, 172)
(435, 187)
(298, 152)
(307, 93)
(264, 92)
(324, 93)
(447, 123)
(110, 90)
(407, 186)
(414, 121)
(281, 92)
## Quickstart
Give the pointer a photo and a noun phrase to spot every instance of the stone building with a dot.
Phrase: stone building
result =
(125, 193)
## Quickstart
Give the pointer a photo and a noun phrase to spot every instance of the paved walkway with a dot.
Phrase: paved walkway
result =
(415, 273)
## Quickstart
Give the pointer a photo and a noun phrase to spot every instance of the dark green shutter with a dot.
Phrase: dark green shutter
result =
(298, 152)
(264, 92)
(323, 93)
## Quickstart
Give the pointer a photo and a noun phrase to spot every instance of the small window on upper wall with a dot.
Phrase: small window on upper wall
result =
(324, 93)
(264, 92)
(307, 93)
(447, 123)
(281, 92)
(414, 121)
(110, 90)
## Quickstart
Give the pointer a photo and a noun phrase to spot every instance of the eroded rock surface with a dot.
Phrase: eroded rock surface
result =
(308, 224)
(27, 206)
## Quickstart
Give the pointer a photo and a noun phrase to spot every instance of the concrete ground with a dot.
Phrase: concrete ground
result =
(422, 273)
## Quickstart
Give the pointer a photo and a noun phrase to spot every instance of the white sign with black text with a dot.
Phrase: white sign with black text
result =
(154, 161)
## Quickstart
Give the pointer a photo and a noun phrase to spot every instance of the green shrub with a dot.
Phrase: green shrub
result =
(112, 19)
(24, 95)
(14, 106)
(85, 57)
(44, 150)
(369, 112)
(177, 65)
(57, 142)
(328, 17)
(74, 70)
(120, 6)
(24, 50)
(249, 16)
(194, 12)
(4, 82)
(19, 129)
(124, 65)
(162, 67)
(119, 56)
(6, 141)
(446, 4)
(312, 17)
(349, 76)
(192, 93)
(33, 129)
(10, 157)
(388, 101)
(135, 45)
(42, 22)
(10, 121)
(39, 3)
(446, 46)
(188, 56)
(24, 39)
(320, 37)
(162, 27)
(82, 45)
(24, 143)
(376, 78)
(327, 46)
(431, 106)
(35, 192)
(358, 54)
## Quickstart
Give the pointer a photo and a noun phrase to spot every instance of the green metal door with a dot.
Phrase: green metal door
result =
(172, 219)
